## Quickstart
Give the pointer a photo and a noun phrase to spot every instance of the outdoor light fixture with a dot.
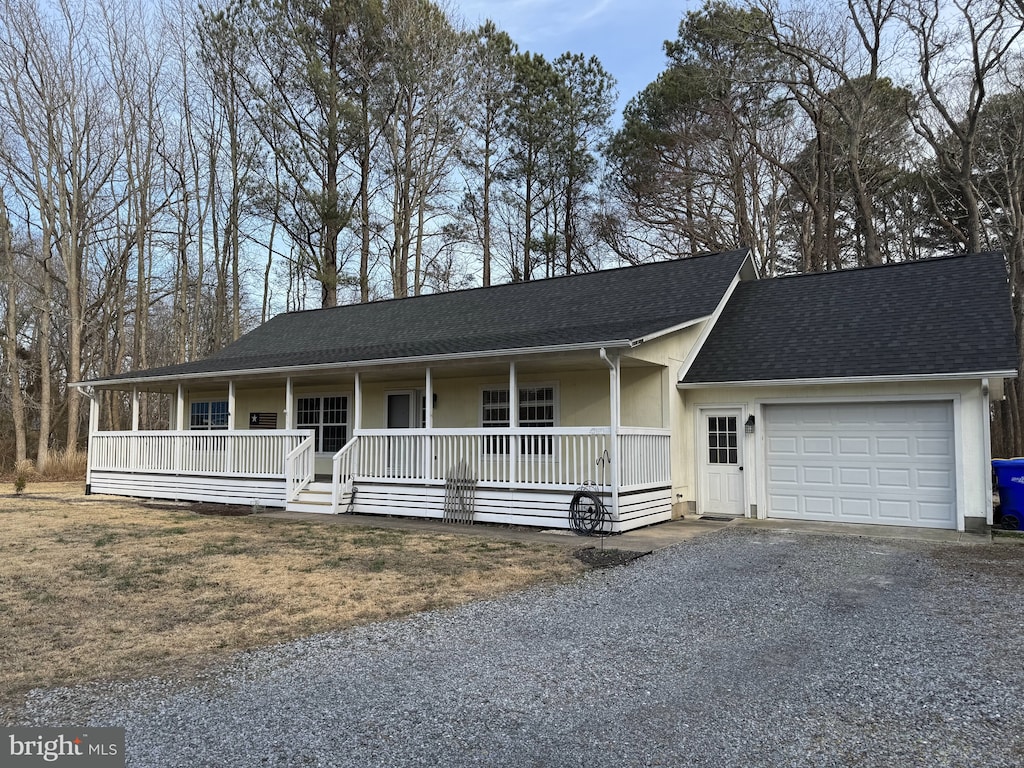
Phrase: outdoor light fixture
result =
(748, 425)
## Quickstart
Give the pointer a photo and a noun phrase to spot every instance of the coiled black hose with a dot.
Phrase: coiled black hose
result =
(587, 514)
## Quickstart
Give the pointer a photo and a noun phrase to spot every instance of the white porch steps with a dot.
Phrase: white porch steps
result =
(316, 497)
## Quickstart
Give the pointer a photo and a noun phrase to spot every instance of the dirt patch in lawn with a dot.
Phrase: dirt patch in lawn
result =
(599, 557)
(95, 587)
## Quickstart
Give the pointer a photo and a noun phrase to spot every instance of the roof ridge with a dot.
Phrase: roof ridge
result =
(521, 283)
(888, 265)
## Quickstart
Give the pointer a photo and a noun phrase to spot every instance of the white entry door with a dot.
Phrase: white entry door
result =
(721, 473)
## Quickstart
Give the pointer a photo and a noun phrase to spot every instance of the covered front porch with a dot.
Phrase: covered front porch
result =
(503, 471)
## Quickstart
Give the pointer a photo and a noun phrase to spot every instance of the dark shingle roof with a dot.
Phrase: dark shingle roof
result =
(939, 316)
(612, 305)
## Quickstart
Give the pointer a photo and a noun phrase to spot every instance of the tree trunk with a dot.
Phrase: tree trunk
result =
(11, 335)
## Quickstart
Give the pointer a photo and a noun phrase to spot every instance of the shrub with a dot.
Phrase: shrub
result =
(67, 464)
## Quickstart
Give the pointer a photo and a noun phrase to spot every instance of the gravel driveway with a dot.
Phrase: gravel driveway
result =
(737, 648)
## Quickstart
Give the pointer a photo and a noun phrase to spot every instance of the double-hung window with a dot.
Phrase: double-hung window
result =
(327, 416)
(208, 414)
(536, 409)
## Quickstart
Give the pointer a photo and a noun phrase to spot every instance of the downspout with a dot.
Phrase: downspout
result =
(987, 437)
(613, 441)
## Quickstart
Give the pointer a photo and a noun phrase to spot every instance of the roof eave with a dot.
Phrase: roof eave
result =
(672, 329)
(958, 376)
(301, 369)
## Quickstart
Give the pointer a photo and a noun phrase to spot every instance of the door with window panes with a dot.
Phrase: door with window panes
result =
(721, 466)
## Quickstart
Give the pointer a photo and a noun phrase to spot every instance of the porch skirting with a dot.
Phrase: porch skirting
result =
(537, 508)
(250, 491)
(544, 508)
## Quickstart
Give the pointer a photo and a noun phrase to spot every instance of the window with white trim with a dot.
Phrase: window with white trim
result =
(208, 414)
(327, 416)
(536, 409)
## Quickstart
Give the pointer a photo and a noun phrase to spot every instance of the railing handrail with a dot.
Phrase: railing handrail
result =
(485, 431)
(304, 445)
(204, 432)
(336, 479)
(293, 482)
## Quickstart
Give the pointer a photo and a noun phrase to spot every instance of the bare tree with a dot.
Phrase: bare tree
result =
(960, 44)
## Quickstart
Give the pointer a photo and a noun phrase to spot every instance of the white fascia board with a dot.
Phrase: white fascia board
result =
(850, 380)
(300, 369)
(667, 331)
(713, 319)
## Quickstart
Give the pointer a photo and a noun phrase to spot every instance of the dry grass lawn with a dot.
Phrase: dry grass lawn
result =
(95, 587)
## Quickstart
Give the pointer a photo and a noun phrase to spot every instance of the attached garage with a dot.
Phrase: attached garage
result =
(887, 463)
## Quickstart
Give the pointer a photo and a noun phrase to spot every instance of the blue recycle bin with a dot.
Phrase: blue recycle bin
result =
(1010, 481)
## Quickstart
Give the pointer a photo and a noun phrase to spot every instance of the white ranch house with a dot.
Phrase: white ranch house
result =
(679, 387)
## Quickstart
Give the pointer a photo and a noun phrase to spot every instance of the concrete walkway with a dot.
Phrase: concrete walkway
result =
(649, 539)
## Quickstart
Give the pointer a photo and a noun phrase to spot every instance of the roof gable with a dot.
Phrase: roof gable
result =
(934, 317)
(617, 305)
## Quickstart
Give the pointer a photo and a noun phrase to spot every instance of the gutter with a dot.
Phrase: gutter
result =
(909, 377)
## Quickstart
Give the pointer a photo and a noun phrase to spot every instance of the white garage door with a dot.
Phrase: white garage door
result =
(886, 463)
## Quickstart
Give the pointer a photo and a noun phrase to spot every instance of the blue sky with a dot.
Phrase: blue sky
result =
(626, 35)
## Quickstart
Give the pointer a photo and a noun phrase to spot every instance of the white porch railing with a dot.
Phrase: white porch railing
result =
(644, 457)
(236, 453)
(558, 458)
(299, 467)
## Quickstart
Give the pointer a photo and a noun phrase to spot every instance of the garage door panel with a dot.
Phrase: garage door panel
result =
(890, 463)
(895, 512)
(933, 446)
(816, 446)
(893, 478)
(893, 446)
(855, 509)
(855, 476)
(781, 474)
(786, 503)
(935, 479)
(936, 511)
(854, 446)
(818, 475)
(819, 505)
(782, 446)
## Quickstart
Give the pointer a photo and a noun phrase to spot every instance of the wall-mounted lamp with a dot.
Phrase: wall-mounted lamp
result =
(748, 425)
(435, 400)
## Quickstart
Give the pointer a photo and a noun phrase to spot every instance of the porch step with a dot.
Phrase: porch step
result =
(316, 497)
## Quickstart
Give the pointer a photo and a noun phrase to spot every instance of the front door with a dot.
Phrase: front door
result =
(400, 410)
(721, 474)
(404, 451)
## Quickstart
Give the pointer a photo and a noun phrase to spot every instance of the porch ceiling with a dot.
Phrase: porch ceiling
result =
(575, 360)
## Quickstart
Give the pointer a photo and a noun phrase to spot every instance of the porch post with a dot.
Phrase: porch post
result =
(428, 422)
(428, 406)
(513, 422)
(94, 427)
(357, 408)
(135, 409)
(289, 413)
(179, 416)
(179, 458)
(615, 411)
(231, 404)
